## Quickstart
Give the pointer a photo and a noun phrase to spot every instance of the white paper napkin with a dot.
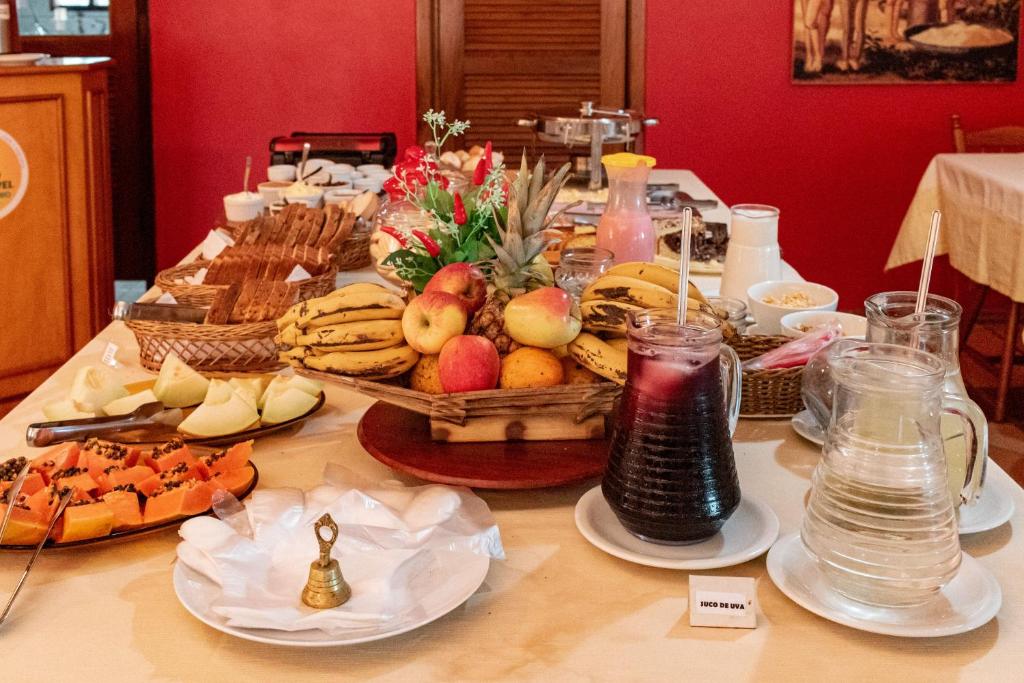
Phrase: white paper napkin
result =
(214, 243)
(389, 536)
(298, 273)
(165, 298)
(196, 279)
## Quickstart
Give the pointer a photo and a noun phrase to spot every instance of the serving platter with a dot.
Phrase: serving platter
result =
(130, 534)
(401, 439)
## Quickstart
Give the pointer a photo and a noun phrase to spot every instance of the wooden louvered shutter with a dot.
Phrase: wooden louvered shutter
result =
(494, 62)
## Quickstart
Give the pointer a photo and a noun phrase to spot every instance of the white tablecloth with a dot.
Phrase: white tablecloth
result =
(982, 201)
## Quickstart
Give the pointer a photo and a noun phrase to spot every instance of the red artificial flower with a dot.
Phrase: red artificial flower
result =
(387, 229)
(414, 153)
(459, 213)
(488, 155)
(393, 186)
(480, 173)
(428, 242)
(443, 181)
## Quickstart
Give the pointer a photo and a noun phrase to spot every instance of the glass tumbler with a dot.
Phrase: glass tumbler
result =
(578, 267)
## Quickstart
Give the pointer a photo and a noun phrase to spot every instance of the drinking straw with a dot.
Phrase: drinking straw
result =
(248, 169)
(926, 265)
(684, 262)
(302, 163)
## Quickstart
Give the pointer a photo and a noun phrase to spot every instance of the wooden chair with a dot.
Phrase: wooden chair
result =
(993, 140)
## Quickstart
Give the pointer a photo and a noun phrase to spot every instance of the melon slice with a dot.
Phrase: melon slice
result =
(234, 481)
(181, 499)
(228, 459)
(65, 410)
(128, 404)
(178, 385)
(286, 404)
(125, 507)
(24, 528)
(130, 476)
(60, 457)
(85, 520)
(220, 415)
(94, 387)
(279, 383)
(250, 388)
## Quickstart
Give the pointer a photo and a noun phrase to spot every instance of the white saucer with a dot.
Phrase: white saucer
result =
(748, 533)
(970, 600)
(993, 508)
(452, 581)
(806, 426)
(22, 58)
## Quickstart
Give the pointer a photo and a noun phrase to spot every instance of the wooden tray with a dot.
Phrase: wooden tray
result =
(400, 439)
(131, 534)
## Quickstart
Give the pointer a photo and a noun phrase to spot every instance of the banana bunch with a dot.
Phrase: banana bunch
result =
(605, 358)
(634, 286)
(354, 331)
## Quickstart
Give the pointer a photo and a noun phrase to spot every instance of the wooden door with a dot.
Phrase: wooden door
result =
(494, 62)
(131, 148)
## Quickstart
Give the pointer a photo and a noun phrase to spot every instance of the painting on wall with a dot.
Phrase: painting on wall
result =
(905, 41)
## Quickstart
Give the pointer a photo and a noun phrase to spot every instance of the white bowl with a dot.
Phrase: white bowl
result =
(340, 195)
(366, 168)
(372, 183)
(769, 316)
(282, 172)
(242, 206)
(315, 171)
(853, 325)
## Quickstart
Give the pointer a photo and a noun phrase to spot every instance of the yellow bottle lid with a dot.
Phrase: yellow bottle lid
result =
(628, 160)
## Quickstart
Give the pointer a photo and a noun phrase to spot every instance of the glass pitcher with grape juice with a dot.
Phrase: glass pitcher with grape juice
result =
(671, 475)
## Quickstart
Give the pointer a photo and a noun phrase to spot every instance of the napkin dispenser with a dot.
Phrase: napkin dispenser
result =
(326, 587)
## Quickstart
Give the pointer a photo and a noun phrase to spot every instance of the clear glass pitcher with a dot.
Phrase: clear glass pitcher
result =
(625, 228)
(671, 476)
(880, 520)
(891, 320)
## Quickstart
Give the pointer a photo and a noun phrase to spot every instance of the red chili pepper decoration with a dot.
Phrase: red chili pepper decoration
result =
(480, 172)
(388, 230)
(428, 242)
(460, 210)
(488, 156)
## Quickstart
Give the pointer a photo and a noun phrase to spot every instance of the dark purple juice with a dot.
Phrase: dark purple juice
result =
(671, 474)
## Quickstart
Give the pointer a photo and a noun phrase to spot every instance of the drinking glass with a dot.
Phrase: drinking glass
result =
(732, 310)
(671, 476)
(578, 267)
(879, 519)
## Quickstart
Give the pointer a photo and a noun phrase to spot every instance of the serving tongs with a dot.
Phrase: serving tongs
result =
(64, 500)
(148, 417)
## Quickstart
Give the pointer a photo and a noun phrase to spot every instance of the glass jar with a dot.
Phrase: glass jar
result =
(733, 311)
(579, 267)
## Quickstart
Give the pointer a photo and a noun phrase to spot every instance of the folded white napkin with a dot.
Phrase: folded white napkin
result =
(390, 537)
(165, 298)
(298, 274)
(214, 243)
(196, 279)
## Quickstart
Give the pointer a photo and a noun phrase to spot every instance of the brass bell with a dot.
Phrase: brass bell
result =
(326, 587)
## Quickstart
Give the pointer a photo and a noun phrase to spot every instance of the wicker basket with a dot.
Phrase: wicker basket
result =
(767, 393)
(354, 252)
(202, 295)
(248, 347)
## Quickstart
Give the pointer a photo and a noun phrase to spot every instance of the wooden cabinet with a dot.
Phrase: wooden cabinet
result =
(56, 263)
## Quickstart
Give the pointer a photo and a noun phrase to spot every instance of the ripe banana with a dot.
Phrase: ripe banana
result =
(350, 308)
(294, 356)
(629, 290)
(289, 335)
(605, 316)
(293, 313)
(379, 364)
(364, 335)
(655, 274)
(599, 357)
(618, 343)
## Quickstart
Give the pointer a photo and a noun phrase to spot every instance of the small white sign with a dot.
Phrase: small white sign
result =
(723, 601)
(110, 355)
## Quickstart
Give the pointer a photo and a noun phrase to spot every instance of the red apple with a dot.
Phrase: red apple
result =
(468, 363)
(431, 319)
(464, 280)
(546, 317)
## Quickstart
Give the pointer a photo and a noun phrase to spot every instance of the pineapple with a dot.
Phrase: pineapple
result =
(519, 265)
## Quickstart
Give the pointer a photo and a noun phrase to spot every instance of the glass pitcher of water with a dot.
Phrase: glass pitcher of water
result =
(880, 520)
(891, 320)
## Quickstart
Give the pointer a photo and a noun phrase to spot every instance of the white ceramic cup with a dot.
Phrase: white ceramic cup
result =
(366, 168)
(340, 195)
(242, 206)
(272, 191)
(281, 172)
(310, 199)
(372, 183)
(753, 253)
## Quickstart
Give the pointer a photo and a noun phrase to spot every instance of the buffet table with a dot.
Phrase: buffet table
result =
(556, 609)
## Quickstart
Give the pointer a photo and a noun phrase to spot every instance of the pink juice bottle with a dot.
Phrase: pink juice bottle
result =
(625, 228)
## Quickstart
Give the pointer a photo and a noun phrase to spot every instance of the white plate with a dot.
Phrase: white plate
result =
(748, 533)
(806, 426)
(993, 508)
(22, 58)
(446, 586)
(970, 600)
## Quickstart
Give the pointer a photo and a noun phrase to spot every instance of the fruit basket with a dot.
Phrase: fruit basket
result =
(245, 347)
(767, 393)
(565, 412)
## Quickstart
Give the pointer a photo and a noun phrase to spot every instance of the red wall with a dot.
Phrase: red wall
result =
(229, 75)
(841, 162)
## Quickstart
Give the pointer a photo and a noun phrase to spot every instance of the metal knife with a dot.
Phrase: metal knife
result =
(145, 417)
